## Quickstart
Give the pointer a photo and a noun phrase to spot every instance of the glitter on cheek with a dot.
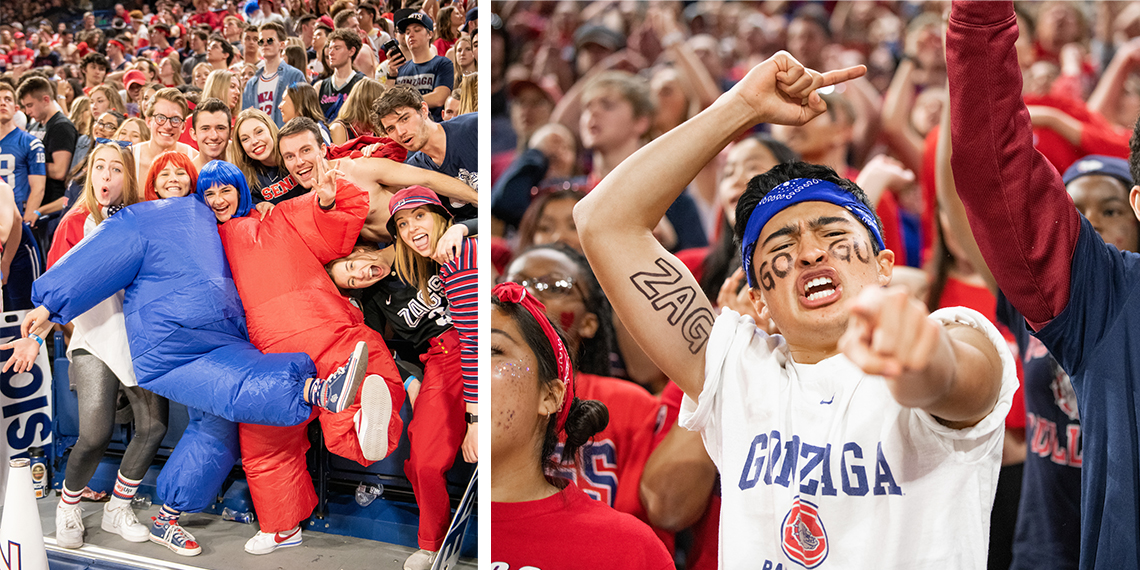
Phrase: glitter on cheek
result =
(510, 378)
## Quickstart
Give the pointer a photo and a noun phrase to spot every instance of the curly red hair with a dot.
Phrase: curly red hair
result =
(160, 162)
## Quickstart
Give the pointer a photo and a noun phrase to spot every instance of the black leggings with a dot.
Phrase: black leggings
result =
(98, 390)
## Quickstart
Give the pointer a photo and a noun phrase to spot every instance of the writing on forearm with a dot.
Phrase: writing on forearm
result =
(666, 294)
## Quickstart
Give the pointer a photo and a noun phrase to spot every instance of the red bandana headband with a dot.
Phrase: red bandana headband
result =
(517, 294)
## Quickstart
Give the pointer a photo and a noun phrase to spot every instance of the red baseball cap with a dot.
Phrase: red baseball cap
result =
(133, 77)
(410, 198)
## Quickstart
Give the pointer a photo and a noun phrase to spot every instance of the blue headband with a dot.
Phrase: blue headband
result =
(791, 193)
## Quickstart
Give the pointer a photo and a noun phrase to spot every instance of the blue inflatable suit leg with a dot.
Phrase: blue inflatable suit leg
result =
(231, 379)
(192, 477)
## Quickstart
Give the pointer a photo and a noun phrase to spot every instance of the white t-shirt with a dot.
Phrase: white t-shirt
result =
(102, 331)
(821, 467)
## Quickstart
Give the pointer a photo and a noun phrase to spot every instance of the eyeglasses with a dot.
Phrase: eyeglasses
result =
(547, 286)
(266, 41)
(107, 126)
(161, 120)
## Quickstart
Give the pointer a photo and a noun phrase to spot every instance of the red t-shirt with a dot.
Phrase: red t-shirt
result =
(569, 531)
(706, 531)
(609, 467)
(20, 56)
(68, 233)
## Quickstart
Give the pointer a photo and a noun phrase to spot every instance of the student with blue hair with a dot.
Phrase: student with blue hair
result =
(188, 339)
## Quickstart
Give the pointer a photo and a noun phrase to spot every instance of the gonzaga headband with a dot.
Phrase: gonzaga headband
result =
(517, 294)
(791, 193)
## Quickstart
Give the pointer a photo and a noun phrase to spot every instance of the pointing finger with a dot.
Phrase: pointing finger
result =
(841, 75)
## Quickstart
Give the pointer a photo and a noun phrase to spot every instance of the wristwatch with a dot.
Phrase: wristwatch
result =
(471, 418)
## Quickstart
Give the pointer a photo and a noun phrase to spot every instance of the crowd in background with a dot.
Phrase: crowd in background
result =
(577, 87)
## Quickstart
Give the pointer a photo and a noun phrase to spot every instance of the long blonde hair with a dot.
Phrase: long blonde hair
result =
(469, 94)
(357, 108)
(218, 87)
(80, 115)
(413, 268)
(249, 166)
(131, 194)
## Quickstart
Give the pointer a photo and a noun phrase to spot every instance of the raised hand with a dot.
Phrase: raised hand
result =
(781, 90)
(325, 184)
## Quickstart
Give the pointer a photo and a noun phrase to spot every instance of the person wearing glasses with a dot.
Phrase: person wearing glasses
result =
(561, 278)
(267, 87)
(439, 420)
(165, 117)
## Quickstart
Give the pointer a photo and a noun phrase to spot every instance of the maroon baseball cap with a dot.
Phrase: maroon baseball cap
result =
(410, 198)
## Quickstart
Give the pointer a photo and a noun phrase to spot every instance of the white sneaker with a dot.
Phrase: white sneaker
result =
(121, 520)
(420, 560)
(266, 542)
(373, 419)
(69, 526)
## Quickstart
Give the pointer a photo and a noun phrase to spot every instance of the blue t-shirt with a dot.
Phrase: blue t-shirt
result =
(426, 77)
(1096, 341)
(1049, 514)
(460, 160)
(21, 155)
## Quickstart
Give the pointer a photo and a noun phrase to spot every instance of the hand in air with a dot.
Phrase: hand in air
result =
(325, 183)
(781, 90)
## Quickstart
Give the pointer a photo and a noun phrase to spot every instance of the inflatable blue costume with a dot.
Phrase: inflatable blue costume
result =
(187, 332)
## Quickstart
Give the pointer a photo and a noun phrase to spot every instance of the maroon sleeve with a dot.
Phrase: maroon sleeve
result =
(1022, 217)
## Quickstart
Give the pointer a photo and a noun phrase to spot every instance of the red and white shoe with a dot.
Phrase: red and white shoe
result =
(266, 542)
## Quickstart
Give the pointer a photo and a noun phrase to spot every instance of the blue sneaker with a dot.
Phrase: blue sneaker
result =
(174, 537)
(339, 390)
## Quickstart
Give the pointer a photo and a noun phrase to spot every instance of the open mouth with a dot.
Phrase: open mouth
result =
(420, 242)
(173, 188)
(820, 291)
(304, 172)
(259, 149)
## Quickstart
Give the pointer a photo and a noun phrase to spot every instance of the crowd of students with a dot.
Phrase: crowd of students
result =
(304, 176)
(661, 140)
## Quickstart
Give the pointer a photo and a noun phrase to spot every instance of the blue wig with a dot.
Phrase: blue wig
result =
(219, 173)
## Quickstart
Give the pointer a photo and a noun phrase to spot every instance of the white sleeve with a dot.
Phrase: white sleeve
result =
(994, 422)
(730, 336)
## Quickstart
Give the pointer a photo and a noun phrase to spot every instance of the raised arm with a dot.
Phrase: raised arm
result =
(105, 261)
(391, 173)
(951, 205)
(1023, 220)
(331, 219)
(652, 292)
